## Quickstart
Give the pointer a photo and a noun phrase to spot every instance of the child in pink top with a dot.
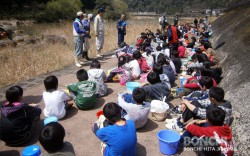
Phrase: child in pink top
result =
(181, 50)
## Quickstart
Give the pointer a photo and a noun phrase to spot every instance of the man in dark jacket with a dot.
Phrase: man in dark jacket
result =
(121, 27)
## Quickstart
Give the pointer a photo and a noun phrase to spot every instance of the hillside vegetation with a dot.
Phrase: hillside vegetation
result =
(174, 6)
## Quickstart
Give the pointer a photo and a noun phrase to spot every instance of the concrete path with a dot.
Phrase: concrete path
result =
(77, 123)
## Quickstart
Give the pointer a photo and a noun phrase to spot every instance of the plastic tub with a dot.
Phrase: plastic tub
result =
(168, 141)
(131, 86)
(50, 119)
(32, 150)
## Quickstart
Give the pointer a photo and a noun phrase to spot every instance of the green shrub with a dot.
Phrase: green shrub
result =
(62, 9)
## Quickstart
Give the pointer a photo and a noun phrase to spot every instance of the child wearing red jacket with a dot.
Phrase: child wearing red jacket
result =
(141, 61)
(192, 83)
(216, 129)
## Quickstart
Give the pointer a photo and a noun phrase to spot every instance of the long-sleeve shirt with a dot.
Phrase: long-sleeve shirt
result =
(121, 26)
(137, 113)
(226, 106)
(78, 29)
(86, 26)
(196, 85)
(98, 25)
(222, 134)
(143, 64)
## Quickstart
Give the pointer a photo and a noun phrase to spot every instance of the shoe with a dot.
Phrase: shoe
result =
(98, 55)
(173, 120)
(78, 65)
(175, 110)
(174, 126)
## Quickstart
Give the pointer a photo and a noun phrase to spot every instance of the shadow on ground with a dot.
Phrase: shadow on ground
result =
(70, 113)
(10, 153)
(32, 99)
(140, 150)
(149, 126)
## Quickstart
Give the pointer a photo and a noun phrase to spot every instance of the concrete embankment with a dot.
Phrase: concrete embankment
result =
(232, 34)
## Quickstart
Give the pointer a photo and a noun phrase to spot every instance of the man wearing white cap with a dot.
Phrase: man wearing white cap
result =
(78, 32)
(99, 32)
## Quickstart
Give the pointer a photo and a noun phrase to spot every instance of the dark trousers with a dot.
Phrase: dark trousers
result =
(120, 38)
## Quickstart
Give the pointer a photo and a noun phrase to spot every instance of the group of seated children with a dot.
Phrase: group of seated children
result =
(203, 111)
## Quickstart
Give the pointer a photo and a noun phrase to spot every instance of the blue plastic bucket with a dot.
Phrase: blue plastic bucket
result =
(131, 86)
(168, 141)
(32, 150)
(50, 119)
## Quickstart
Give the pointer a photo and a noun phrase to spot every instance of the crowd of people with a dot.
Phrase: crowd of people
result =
(158, 56)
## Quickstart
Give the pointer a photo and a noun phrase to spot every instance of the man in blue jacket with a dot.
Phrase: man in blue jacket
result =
(79, 33)
(121, 27)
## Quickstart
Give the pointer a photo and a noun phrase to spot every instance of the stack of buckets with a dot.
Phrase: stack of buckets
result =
(168, 141)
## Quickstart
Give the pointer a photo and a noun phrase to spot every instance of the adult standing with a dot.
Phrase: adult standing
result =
(163, 20)
(196, 23)
(78, 32)
(86, 46)
(173, 34)
(99, 32)
(121, 28)
(176, 21)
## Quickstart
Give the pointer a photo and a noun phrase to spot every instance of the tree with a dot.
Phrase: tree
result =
(113, 8)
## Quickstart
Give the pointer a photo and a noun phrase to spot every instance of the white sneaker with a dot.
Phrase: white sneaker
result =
(78, 65)
(174, 126)
(98, 55)
(173, 120)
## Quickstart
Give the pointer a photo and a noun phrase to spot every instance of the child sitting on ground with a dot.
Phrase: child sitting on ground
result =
(201, 99)
(157, 68)
(216, 129)
(181, 50)
(141, 61)
(146, 53)
(17, 118)
(119, 136)
(56, 101)
(98, 75)
(192, 83)
(124, 70)
(177, 62)
(167, 69)
(83, 92)
(51, 138)
(137, 112)
(155, 90)
(216, 96)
